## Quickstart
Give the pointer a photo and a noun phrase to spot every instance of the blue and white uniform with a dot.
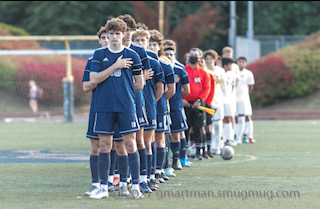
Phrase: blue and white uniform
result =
(114, 102)
(177, 115)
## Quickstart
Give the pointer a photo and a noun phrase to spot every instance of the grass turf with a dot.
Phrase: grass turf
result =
(285, 158)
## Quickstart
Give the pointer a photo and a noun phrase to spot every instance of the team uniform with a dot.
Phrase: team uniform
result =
(121, 108)
(235, 69)
(149, 93)
(244, 107)
(217, 104)
(86, 77)
(177, 115)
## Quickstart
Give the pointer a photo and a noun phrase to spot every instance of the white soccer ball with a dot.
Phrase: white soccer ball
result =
(192, 151)
(227, 152)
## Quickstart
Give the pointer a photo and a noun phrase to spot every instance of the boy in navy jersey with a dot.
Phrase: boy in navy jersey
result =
(152, 92)
(94, 139)
(155, 47)
(170, 44)
(116, 79)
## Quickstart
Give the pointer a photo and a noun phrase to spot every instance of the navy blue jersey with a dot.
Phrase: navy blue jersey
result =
(179, 63)
(116, 93)
(162, 107)
(149, 90)
(140, 101)
(176, 100)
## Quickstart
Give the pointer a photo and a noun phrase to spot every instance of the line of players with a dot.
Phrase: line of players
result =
(134, 87)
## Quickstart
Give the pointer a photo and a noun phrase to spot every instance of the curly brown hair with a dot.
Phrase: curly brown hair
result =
(128, 19)
(116, 24)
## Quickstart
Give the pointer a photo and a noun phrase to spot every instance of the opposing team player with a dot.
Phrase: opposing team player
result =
(88, 86)
(244, 108)
(210, 56)
(117, 72)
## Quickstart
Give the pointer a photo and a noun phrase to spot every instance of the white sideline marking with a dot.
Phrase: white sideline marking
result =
(251, 157)
(37, 154)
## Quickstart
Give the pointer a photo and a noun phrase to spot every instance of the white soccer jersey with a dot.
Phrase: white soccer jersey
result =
(245, 79)
(229, 85)
(219, 75)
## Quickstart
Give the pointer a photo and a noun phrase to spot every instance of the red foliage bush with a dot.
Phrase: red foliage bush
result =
(272, 80)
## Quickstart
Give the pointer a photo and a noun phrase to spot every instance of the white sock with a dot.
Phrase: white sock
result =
(216, 136)
(143, 178)
(227, 131)
(135, 187)
(158, 171)
(104, 186)
(96, 185)
(250, 129)
(110, 179)
(152, 176)
(121, 184)
(240, 127)
(246, 127)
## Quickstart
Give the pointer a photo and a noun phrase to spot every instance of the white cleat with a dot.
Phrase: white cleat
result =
(91, 191)
(123, 191)
(101, 193)
(137, 194)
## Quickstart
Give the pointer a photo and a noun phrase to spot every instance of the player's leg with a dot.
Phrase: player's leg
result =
(123, 166)
(250, 129)
(128, 125)
(218, 128)
(240, 121)
(228, 120)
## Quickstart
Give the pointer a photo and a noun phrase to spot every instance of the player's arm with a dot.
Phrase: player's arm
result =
(171, 90)
(250, 88)
(185, 90)
(159, 90)
(138, 81)
(98, 77)
(88, 86)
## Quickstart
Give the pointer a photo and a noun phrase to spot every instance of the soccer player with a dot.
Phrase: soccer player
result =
(155, 50)
(88, 86)
(229, 85)
(152, 92)
(177, 115)
(114, 104)
(228, 52)
(199, 90)
(244, 109)
(210, 57)
(144, 146)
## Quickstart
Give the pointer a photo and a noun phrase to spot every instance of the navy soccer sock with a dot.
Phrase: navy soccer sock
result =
(154, 157)
(134, 164)
(123, 167)
(113, 162)
(143, 161)
(149, 165)
(94, 168)
(160, 158)
(183, 148)
(104, 166)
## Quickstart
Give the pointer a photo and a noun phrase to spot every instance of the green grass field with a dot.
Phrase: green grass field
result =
(286, 158)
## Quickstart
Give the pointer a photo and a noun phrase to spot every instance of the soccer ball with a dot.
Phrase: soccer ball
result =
(227, 152)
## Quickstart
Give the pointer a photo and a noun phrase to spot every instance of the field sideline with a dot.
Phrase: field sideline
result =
(45, 165)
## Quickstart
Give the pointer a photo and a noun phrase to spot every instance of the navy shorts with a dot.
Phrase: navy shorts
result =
(152, 124)
(168, 123)
(179, 121)
(161, 123)
(105, 122)
(142, 116)
(90, 134)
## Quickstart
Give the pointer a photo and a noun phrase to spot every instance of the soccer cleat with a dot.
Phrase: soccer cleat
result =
(231, 143)
(251, 140)
(159, 178)
(210, 154)
(91, 191)
(198, 157)
(217, 151)
(244, 138)
(184, 162)
(101, 193)
(153, 185)
(110, 187)
(205, 155)
(176, 165)
(144, 188)
(123, 190)
(169, 172)
(164, 176)
(137, 194)
(188, 161)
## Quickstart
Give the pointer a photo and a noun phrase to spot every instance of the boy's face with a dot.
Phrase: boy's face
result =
(227, 67)
(209, 60)
(103, 40)
(170, 55)
(242, 63)
(115, 37)
(128, 35)
(141, 40)
(154, 46)
(227, 55)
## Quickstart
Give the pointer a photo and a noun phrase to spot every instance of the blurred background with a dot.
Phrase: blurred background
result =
(280, 40)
